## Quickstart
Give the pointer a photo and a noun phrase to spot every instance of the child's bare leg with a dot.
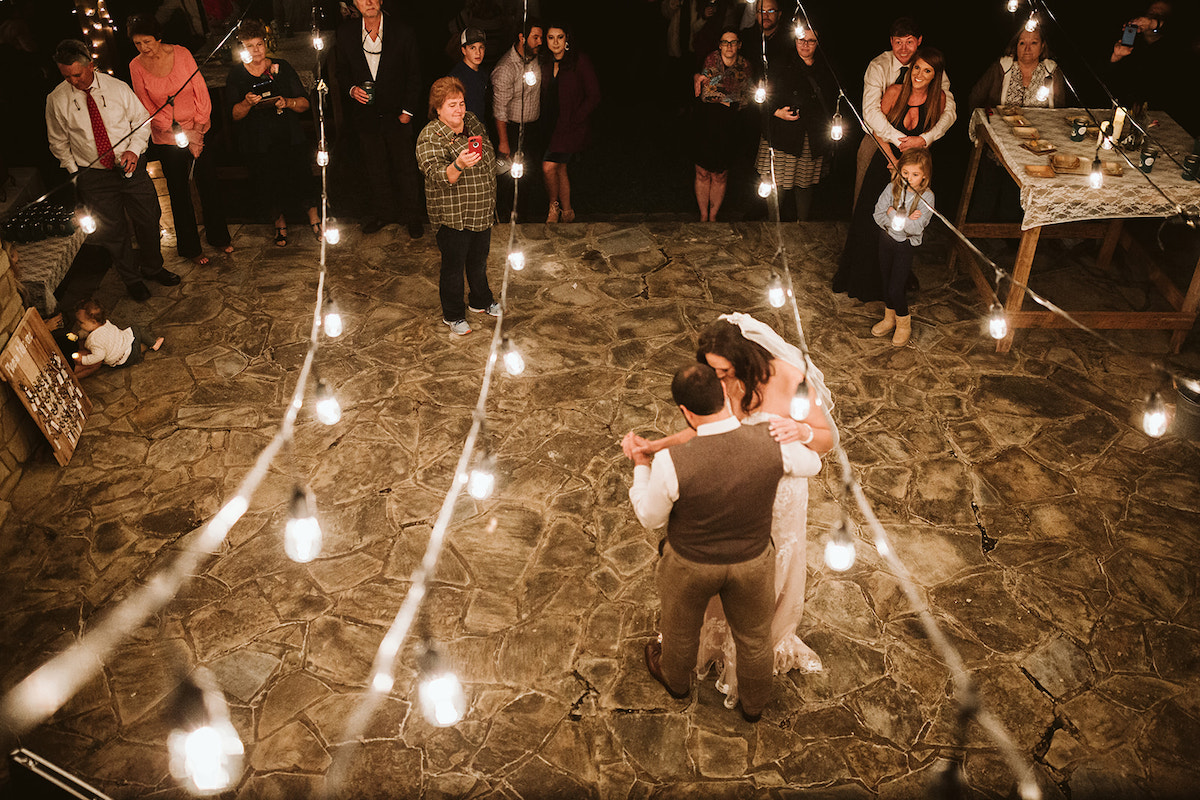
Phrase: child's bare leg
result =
(84, 370)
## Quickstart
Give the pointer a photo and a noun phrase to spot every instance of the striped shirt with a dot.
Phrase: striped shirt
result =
(470, 202)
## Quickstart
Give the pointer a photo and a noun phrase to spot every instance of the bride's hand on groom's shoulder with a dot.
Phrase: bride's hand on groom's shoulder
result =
(786, 429)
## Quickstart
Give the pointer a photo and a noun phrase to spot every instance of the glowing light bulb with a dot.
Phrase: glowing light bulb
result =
(997, 322)
(205, 753)
(382, 682)
(799, 30)
(764, 189)
(482, 480)
(177, 131)
(839, 556)
(439, 693)
(87, 222)
(530, 78)
(517, 170)
(801, 404)
(1012, 6)
(246, 57)
(1043, 92)
(302, 535)
(322, 157)
(332, 321)
(898, 221)
(318, 42)
(516, 260)
(760, 94)
(836, 130)
(1154, 418)
(1096, 176)
(776, 294)
(1031, 23)
(514, 362)
(329, 410)
(332, 234)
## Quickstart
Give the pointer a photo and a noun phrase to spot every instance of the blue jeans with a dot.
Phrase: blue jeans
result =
(463, 252)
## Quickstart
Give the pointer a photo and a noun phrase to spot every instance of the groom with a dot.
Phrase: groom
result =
(714, 494)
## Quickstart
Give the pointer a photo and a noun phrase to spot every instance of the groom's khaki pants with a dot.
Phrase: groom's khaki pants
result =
(747, 592)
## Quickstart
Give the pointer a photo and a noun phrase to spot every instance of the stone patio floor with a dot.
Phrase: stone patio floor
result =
(1053, 540)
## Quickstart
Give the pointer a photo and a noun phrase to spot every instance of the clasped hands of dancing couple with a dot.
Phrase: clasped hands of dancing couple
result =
(732, 491)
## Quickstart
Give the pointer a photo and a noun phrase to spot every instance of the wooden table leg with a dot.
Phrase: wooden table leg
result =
(1191, 304)
(964, 202)
(1020, 273)
(1112, 235)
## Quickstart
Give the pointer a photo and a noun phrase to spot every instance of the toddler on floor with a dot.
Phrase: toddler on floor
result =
(106, 343)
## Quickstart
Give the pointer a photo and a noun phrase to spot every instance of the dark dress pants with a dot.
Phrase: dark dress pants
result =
(111, 196)
(531, 199)
(895, 265)
(463, 252)
(389, 152)
(178, 166)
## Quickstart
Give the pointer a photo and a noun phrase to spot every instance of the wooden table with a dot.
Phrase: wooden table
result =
(1065, 206)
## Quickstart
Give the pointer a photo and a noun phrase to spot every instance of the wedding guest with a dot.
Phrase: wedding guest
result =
(105, 343)
(723, 88)
(570, 93)
(469, 74)
(164, 76)
(516, 103)
(96, 129)
(1024, 76)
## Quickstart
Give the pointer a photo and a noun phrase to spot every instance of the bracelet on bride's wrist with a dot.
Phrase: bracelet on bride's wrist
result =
(812, 434)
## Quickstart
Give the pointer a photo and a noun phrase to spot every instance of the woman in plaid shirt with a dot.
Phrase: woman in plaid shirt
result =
(460, 193)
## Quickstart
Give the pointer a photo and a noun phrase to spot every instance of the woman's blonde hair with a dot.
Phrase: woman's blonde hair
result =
(919, 157)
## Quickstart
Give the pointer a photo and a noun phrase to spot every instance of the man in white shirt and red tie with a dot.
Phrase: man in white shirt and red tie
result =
(97, 129)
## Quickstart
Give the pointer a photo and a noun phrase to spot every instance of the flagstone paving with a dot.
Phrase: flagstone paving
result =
(1053, 541)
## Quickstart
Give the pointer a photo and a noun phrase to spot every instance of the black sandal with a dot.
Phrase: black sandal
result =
(281, 237)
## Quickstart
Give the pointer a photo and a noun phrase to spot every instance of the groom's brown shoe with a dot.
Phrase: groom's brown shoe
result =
(653, 657)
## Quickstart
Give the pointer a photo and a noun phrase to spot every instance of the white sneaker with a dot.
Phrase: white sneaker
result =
(459, 327)
(493, 310)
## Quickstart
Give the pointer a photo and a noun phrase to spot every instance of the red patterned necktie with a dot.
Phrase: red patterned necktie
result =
(103, 145)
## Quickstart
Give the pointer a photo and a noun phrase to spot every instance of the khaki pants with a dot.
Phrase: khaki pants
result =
(747, 592)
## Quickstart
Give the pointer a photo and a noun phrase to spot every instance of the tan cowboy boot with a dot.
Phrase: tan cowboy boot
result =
(885, 325)
(903, 330)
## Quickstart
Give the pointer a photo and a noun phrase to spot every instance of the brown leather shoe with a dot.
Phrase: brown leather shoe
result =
(653, 657)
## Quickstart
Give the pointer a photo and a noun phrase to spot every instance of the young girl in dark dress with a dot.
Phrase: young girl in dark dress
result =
(913, 108)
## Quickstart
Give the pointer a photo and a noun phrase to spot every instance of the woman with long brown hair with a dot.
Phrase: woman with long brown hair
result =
(912, 107)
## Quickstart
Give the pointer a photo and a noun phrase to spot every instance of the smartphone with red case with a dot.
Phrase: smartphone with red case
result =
(475, 145)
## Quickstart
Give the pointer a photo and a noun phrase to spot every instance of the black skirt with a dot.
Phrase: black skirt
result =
(714, 136)
(858, 270)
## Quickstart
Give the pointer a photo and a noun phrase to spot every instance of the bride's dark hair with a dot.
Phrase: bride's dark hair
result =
(751, 361)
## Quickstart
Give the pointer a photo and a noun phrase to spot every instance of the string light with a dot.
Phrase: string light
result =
(302, 535)
(1154, 418)
(760, 94)
(332, 318)
(799, 30)
(1012, 6)
(333, 234)
(246, 57)
(1043, 93)
(839, 549)
(1031, 23)
(322, 156)
(205, 753)
(776, 294)
(439, 693)
(997, 322)
(87, 222)
(897, 221)
(836, 130)
(514, 362)
(530, 78)
(764, 188)
(517, 170)
(317, 40)
(1096, 176)
(801, 405)
(181, 138)
(481, 482)
(382, 682)
(516, 260)
(329, 410)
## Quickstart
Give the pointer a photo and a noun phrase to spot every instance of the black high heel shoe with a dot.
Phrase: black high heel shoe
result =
(281, 237)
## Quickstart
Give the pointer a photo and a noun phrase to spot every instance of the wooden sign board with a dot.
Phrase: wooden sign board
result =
(46, 384)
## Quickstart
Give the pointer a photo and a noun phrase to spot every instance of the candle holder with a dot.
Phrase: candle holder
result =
(1191, 168)
(1147, 158)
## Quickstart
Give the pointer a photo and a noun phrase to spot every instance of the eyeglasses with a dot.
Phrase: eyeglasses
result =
(769, 12)
(809, 42)
(729, 42)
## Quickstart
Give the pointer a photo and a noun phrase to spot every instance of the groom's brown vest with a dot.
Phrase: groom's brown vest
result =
(727, 486)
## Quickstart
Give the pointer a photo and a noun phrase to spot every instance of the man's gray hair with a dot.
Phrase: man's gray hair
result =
(72, 51)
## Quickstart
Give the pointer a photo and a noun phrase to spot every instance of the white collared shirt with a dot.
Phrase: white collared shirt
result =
(882, 73)
(656, 487)
(372, 48)
(69, 126)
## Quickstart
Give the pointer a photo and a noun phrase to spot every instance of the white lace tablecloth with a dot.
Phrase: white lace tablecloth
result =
(44, 264)
(1069, 198)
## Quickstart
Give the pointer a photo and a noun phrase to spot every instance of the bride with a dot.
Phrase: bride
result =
(760, 372)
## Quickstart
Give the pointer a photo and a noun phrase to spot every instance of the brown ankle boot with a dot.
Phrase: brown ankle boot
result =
(885, 325)
(903, 330)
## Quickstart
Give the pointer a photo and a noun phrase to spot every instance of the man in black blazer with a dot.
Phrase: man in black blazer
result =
(383, 51)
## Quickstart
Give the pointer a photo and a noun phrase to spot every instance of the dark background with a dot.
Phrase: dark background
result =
(639, 161)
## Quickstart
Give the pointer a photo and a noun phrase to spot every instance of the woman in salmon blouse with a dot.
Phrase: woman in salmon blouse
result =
(159, 72)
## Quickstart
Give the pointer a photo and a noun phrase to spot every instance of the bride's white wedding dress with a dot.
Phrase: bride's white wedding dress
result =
(789, 517)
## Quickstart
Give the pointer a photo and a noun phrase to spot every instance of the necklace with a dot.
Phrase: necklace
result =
(365, 39)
